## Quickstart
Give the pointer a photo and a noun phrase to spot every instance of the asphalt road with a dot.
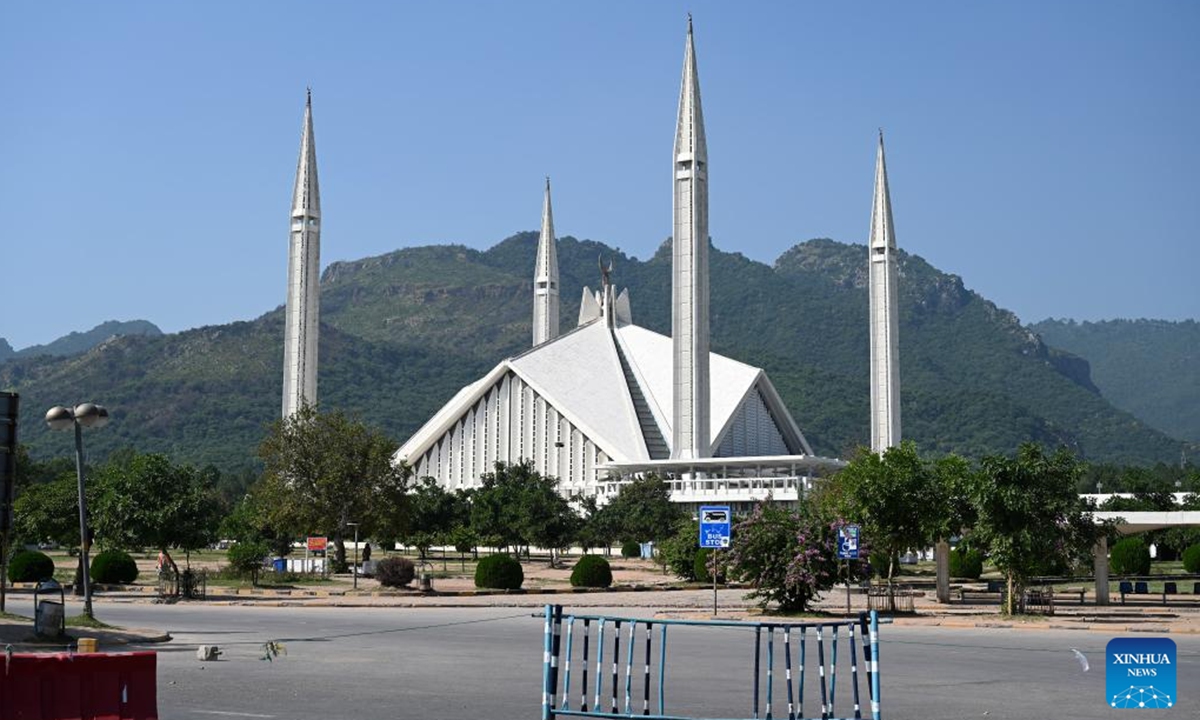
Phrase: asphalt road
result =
(486, 663)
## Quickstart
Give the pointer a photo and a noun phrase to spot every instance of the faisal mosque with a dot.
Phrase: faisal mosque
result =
(609, 400)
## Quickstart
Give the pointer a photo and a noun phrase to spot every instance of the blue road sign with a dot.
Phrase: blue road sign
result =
(848, 542)
(715, 523)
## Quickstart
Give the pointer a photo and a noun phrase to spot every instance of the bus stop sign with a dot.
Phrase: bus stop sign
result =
(715, 523)
(847, 548)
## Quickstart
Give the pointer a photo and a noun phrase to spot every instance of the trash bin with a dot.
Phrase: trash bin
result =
(426, 582)
(280, 564)
(48, 617)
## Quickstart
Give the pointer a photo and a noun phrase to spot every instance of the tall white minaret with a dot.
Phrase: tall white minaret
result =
(689, 270)
(885, 316)
(303, 289)
(545, 279)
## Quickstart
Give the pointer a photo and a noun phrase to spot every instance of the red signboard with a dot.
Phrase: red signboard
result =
(317, 544)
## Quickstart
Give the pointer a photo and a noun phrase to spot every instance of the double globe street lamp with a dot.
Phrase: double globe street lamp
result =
(79, 417)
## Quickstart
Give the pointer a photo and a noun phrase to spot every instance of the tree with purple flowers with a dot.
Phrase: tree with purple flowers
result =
(788, 555)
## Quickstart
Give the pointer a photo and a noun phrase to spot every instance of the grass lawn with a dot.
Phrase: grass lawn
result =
(87, 622)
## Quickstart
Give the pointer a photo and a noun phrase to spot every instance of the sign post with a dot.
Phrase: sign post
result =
(316, 546)
(715, 531)
(847, 550)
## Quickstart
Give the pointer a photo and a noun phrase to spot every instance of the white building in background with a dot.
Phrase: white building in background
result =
(610, 400)
(302, 316)
(885, 315)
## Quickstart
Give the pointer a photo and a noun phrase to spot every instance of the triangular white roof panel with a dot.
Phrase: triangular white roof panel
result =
(580, 374)
(650, 355)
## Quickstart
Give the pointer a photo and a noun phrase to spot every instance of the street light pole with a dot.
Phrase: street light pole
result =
(60, 418)
(84, 541)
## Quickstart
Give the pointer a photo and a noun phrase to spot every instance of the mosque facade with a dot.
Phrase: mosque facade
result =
(610, 400)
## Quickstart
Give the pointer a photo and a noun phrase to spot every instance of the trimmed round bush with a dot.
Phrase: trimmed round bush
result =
(1191, 559)
(966, 563)
(499, 572)
(114, 567)
(30, 566)
(591, 571)
(631, 549)
(1130, 557)
(395, 572)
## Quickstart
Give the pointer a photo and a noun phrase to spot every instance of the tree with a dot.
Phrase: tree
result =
(249, 523)
(597, 529)
(49, 512)
(432, 515)
(324, 470)
(788, 555)
(550, 521)
(515, 505)
(147, 501)
(1030, 514)
(642, 510)
(902, 500)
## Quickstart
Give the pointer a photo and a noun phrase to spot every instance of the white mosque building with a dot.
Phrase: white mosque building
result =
(610, 400)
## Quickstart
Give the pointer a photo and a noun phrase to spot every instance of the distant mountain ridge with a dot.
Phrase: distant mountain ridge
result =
(1150, 368)
(76, 343)
(402, 332)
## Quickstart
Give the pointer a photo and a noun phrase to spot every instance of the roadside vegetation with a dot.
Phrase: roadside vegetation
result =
(1014, 518)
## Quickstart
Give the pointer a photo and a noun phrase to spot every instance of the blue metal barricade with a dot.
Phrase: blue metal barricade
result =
(595, 630)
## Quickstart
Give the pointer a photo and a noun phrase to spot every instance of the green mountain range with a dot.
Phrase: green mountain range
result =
(403, 331)
(1149, 367)
(80, 342)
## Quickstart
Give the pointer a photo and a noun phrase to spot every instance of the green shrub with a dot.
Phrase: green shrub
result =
(500, 572)
(1191, 559)
(30, 566)
(1130, 557)
(114, 567)
(631, 549)
(395, 572)
(700, 567)
(591, 571)
(966, 563)
(679, 550)
(878, 561)
(246, 558)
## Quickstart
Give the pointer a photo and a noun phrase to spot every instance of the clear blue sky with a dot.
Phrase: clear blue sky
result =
(1045, 152)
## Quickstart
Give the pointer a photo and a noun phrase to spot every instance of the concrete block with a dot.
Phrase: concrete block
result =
(206, 653)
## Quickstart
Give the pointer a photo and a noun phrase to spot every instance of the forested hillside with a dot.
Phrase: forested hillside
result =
(1149, 367)
(403, 331)
(78, 342)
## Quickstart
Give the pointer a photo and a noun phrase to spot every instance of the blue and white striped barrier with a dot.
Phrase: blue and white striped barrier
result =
(598, 631)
